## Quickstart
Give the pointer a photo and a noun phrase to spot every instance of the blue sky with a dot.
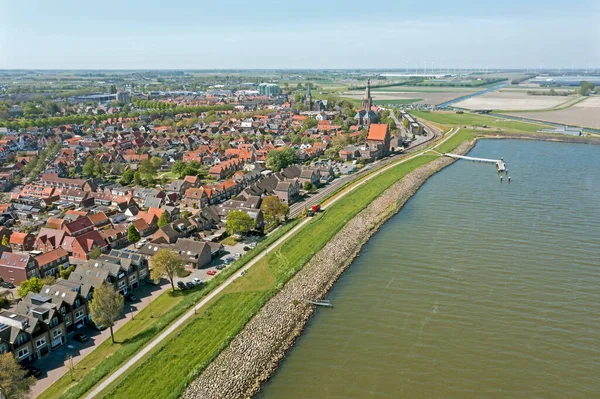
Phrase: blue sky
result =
(148, 34)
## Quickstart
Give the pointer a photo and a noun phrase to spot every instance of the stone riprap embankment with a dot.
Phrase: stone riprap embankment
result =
(241, 369)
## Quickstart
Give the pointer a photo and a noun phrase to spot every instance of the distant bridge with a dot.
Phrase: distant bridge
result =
(499, 162)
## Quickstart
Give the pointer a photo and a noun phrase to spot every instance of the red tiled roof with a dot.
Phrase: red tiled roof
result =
(377, 131)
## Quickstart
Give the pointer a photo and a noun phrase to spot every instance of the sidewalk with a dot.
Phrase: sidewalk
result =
(53, 365)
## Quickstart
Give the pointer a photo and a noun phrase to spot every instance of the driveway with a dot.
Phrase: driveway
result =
(53, 364)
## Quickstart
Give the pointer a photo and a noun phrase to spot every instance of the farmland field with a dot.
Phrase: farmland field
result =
(425, 97)
(512, 100)
(584, 114)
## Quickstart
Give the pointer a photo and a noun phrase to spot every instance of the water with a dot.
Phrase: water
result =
(476, 289)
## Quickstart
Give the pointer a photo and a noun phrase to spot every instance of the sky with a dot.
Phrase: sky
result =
(270, 34)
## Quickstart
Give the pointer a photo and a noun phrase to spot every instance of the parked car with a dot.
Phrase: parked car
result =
(246, 248)
(7, 284)
(220, 267)
(189, 284)
(252, 245)
(130, 297)
(236, 256)
(211, 272)
(79, 336)
(197, 281)
(32, 371)
(181, 285)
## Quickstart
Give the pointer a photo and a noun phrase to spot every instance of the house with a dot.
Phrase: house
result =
(50, 263)
(78, 227)
(116, 236)
(99, 219)
(143, 227)
(82, 245)
(49, 239)
(197, 254)
(379, 135)
(196, 197)
(288, 191)
(17, 267)
(21, 241)
(68, 299)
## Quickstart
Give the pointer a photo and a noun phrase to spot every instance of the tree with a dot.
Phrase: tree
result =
(5, 241)
(274, 209)
(163, 220)
(65, 273)
(137, 178)
(113, 89)
(169, 263)
(13, 381)
(132, 234)
(89, 168)
(156, 162)
(106, 307)
(586, 88)
(178, 168)
(34, 284)
(95, 253)
(239, 222)
(308, 186)
(127, 177)
(281, 159)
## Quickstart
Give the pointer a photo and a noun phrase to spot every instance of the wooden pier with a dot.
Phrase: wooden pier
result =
(500, 165)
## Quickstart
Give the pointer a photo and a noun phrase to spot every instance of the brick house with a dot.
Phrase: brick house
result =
(82, 245)
(17, 267)
(21, 241)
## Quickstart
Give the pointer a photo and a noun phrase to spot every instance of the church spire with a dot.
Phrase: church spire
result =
(308, 97)
(367, 100)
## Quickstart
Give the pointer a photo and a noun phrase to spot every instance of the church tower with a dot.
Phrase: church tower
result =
(367, 100)
(308, 97)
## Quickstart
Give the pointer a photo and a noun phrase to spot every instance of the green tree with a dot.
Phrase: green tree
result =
(65, 273)
(137, 178)
(156, 162)
(308, 186)
(113, 89)
(239, 222)
(34, 284)
(281, 158)
(169, 263)
(274, 209)
(586, 88)
(127, 177)
(309, 123)
(106, 307)
(163, 220)
(95, 253)
(178, 168)
(132, 234)
(89, 169)
(14, 384)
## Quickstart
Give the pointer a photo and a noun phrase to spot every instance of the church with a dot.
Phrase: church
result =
(366, 116)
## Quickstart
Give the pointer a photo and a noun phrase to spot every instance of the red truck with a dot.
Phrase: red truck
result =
(314, 209)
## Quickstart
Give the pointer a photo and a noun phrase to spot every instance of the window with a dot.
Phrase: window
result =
(132, 278)
(77, 302)
(40, 342)
(67, 320)
(21, 339)
(63, 310)
(79, 314)
(122, 284)
(3, 349)
(22, 353)
(54, 322)
(57, 333)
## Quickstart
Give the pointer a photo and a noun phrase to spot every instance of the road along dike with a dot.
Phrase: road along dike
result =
(254, 354)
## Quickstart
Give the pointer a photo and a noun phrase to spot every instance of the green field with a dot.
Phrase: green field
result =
(166, 371)
(403, 101)
(148, 323)
(456, 140)
(424, 89)
(478, 121)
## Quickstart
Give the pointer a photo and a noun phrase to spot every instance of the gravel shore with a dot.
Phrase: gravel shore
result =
(252, 357)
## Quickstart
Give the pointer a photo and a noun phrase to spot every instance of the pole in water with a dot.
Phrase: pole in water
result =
(509, 179)
(500, 178)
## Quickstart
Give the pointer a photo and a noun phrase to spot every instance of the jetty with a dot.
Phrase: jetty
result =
(323, 302)
(499, 162)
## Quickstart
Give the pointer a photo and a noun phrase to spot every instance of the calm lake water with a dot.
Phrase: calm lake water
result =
(476, 289)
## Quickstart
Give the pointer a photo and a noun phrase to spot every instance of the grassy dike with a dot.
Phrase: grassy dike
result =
(166, 371)
(148, 323)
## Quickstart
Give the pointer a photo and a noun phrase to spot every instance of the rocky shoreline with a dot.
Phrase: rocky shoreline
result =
(254, 354)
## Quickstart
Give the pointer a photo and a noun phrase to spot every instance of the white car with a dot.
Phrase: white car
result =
(197, 281)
